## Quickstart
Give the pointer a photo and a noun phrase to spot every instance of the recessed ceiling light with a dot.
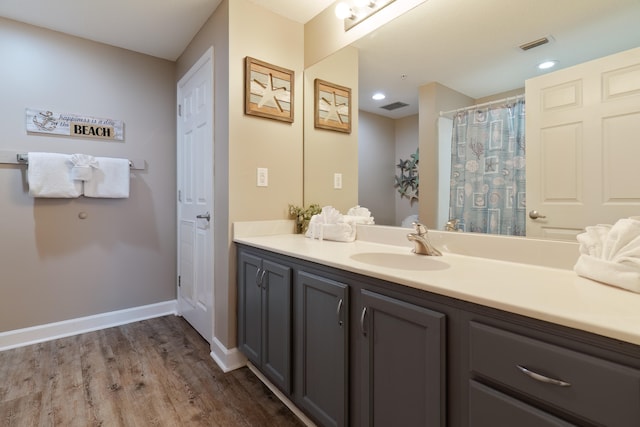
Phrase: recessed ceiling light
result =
(547, 64)
(378, 96)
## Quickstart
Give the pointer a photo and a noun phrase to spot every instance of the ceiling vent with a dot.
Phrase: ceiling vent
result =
(394, 106)
(534, 43)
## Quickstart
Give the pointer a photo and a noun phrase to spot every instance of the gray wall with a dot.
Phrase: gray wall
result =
(382, 143)
(376, 166)
(54, 265)
(406, 145)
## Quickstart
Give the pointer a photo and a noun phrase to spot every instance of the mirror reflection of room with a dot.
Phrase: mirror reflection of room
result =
(438, 81)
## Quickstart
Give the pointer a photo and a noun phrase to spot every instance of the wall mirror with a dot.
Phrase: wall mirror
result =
(474, 49)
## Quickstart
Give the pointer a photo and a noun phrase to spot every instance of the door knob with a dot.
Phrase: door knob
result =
(535, 215)
(206, 216)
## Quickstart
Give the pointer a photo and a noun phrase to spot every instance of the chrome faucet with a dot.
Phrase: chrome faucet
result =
(421, 243)
(452, 225)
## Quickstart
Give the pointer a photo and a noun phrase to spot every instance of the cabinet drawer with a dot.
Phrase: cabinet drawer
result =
(488, 407)
(592, 389)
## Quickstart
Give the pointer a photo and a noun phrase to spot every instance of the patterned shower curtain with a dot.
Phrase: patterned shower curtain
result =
(488, 169)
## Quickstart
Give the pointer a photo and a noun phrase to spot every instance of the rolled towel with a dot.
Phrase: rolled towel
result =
(359, 215)
(83, 165)
(340, 232)
(49, 175)
(329, 224)
(611, 254)
(329, 215)
(592, 240)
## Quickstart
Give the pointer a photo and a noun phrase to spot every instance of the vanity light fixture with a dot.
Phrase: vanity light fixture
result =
(547, 64)
(378, 96)
(344, 11)
(352, 12)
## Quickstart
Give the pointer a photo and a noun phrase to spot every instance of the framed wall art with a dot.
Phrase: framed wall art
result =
(332, 106)
(268, 90)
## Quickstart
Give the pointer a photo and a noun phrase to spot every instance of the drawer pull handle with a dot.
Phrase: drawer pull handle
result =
(542, 378)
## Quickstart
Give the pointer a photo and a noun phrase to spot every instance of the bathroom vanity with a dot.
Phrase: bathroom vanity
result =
(367, 333)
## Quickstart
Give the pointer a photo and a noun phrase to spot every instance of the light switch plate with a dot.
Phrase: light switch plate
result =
(337, 181)
(263, 177)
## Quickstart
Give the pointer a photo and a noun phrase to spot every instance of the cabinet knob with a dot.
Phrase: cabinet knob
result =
(339, 312)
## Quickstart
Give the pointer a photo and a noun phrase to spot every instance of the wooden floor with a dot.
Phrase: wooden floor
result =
(156, 372)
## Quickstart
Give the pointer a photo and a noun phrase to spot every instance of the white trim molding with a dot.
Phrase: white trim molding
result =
(66, 328)
(227, 359)
(288, 403)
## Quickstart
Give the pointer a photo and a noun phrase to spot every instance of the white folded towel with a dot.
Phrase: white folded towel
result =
(83, 165)
(110, 179)
(49, 175)
(611, 254)
(359, 215)
(329, 224)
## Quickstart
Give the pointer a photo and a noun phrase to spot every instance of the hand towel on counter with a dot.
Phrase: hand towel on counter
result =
(329, 224)
(110, 179)
(83, 165)
(49, 175)
(611, 254)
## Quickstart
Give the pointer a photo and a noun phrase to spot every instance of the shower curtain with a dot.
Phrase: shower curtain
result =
(488, 169)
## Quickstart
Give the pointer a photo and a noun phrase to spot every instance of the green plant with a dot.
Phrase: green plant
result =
(303, 216)
(407, 181)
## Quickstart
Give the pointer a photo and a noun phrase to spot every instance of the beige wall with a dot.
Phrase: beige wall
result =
(433, 98)
(257, 142)
(328, 152)
(243, 143)
(54, 265)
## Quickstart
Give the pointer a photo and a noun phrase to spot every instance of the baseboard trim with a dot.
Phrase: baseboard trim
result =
(227, 360)
(66, 328)
(280, 395)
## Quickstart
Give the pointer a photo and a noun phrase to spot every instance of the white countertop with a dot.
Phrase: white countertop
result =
(550, 294)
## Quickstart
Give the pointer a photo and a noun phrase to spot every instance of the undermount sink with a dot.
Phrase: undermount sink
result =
(408, 261)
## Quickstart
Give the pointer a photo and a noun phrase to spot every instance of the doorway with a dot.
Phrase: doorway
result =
(195, 213)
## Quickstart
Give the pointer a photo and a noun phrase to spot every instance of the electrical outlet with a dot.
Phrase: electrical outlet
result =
(263, 177)
(337, 181)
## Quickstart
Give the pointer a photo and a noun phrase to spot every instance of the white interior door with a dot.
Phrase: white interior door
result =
(582, 130)
(195, 196)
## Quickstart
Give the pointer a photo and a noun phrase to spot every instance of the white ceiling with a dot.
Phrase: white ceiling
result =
(467, 45)
(472, 46)
(161, 28)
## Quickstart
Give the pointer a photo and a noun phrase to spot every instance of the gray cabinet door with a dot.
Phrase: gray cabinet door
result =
(276, 324)
(403, 363)
(322, 313)
(250, 307)
(264, 317)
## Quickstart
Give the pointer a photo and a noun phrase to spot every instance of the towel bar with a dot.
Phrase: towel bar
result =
(23, 159)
